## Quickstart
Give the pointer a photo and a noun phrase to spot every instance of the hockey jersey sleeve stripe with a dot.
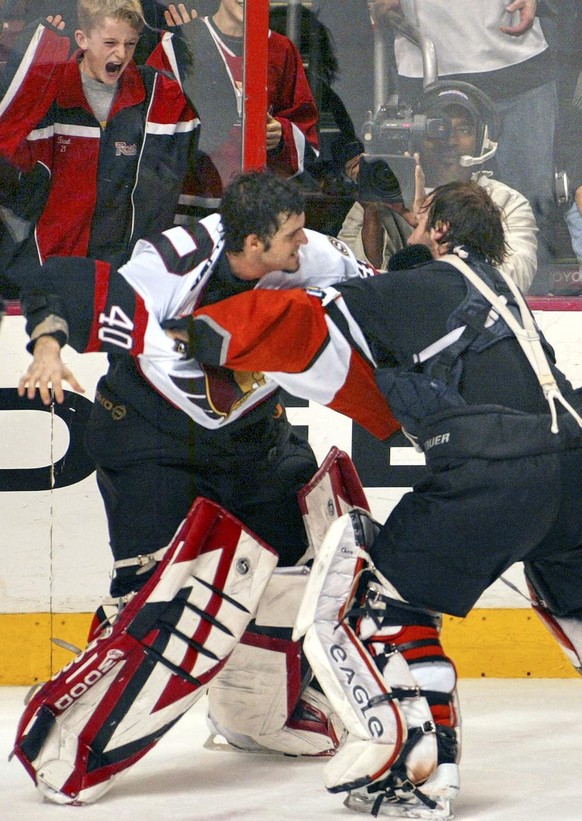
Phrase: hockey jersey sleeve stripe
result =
(101, 290)
(120, 315)
(140, 324)
(361, 400)
(32, 89)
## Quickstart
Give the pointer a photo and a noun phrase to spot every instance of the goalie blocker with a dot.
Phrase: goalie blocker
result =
(112, 704)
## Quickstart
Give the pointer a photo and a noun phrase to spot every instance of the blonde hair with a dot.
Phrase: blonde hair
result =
(92, 13)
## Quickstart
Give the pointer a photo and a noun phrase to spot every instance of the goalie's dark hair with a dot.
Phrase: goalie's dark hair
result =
(253, 203)
(473, 219)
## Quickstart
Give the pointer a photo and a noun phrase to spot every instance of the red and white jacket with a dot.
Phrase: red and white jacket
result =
(107, 187)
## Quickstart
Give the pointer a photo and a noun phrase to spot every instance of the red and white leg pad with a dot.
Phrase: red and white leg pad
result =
(566, 631)
(262, 700)
(111, 704)
(333, 491)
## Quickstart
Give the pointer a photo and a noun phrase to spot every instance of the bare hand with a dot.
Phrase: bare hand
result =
(56, 20)
(380, 8)
(274, 132)
(527, 12)
(45, 371)
(177, 16)
(352, 167)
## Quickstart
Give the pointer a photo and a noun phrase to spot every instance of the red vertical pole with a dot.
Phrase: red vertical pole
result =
(255, 84)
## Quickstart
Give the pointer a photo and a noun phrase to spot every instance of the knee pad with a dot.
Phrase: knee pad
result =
(366, 664)
(111, 705)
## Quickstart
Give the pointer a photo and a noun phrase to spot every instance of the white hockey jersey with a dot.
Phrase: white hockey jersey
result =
(167, 278)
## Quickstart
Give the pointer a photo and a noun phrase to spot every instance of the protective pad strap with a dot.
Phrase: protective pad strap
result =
(111, 704)
(334, 490)
(344, 668)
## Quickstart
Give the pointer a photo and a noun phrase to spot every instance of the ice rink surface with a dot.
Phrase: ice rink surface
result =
(522, 761)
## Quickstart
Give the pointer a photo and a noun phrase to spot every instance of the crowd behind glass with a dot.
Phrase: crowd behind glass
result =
(352, 68)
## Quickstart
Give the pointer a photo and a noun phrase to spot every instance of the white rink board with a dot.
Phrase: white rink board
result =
(53, 551)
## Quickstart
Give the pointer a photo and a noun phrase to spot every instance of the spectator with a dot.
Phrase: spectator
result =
(214, 83)
(80, 127)
(501, 49)
(374, 231)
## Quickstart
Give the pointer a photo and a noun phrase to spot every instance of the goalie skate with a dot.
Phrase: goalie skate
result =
(402, 808)
(434, 803)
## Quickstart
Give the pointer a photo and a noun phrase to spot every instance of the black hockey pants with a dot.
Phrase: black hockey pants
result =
(501, 489)
(149, 478)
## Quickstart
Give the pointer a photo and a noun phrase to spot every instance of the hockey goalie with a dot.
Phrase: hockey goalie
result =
(325, 659)
(293, 662)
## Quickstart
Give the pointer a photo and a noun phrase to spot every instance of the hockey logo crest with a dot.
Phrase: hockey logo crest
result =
(218, 391)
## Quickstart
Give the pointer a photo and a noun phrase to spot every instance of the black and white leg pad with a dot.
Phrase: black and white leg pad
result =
(111, 704)
(380, 711)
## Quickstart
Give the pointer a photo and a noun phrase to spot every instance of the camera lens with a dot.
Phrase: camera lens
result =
(384, 179)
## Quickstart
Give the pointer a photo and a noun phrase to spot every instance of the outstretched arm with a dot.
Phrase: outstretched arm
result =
(47, 370)
(259, 331)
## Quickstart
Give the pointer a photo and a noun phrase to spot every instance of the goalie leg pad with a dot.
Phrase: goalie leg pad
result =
(345, 670)
(110, 705)
(567, 631)
(262, 700)
(392, 744)
(333, 491)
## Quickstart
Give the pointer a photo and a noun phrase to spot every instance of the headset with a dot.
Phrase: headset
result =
(442, 93)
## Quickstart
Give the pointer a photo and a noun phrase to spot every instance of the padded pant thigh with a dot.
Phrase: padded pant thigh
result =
(554, 568)
(263, 494)
(456, 532)
(558, 582)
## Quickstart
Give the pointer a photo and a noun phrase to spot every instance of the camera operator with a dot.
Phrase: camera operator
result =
(378, 225)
